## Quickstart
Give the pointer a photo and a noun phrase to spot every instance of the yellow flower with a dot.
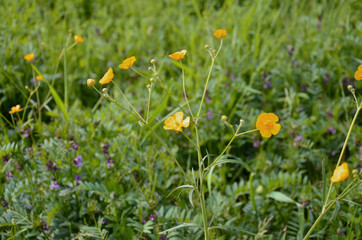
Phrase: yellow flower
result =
(78, 39)
(176, 123)
(39, 77)
(127, 63)
(341, 173)
(220, 33)
(28, 57)
(90, 82)
(267, 124)
(358, 73)
(15, 109)
(178, 55)
(107, 78)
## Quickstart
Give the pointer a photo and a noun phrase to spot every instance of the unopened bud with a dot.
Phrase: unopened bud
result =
(152, 80)
(90, 82)
(153, 61)
(206, 46)
(350, 87)
(241, 122)
(156, 74)
(149, 86)
(104, 90)
(224, 118)
(27, 87)
(149, 69)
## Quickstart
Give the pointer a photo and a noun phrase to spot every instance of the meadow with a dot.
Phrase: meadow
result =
(199, 119)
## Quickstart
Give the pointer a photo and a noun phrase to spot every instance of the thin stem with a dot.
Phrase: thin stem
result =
(128, 102)
(207, 81)
(318, 220)
(142, 75)
(7, 120)
(231, 140)
(193, 143)
(37, 93)
(149, 102)
(169, 94)
(184, 90)
(342, 153)
(201, 195)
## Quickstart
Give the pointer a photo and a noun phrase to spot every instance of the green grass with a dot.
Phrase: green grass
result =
(260, 37)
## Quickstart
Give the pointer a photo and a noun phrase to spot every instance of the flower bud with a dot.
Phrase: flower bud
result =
(206, 46)
(105, 90)
(350, 87)
(149, 69)
(90, 82)
(241, 122)
(149, 86)
(224, 118)
(152, 80)
(153, 61)
(355, 173)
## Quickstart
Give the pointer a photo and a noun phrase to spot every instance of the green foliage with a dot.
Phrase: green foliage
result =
(129, 186)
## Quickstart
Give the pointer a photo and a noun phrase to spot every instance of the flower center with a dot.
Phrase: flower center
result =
(268, 124)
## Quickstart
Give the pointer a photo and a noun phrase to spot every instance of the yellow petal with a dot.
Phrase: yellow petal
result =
(266, 133)
(186, 122)
(276, 129)
(178, 117)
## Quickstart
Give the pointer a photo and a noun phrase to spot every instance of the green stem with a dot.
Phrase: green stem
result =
(342, 153)
(318, 220)
(128, 102)
(201, 195)
(149, 102)
(139, 73)
(207, 81)
(231, 140)
(184, 90)
(160, 83)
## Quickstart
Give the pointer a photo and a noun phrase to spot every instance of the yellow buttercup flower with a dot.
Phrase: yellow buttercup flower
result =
(176, 122)
(178, 55)
(78, 39)
(341, 173)
(28, 57)
(39, 77)
(15, 109)
(358, 73)
(107, 78)
(90, 82)
(220, 33)
(127, 63)
(267, 124)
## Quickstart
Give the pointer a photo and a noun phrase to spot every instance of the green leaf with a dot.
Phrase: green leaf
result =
(281, 197)
(183, 225)
(180, 187)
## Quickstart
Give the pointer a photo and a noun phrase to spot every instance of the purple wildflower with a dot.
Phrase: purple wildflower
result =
(26, 132)
(209, 114)
(326, 78)
(347, 81)
(9, 175)
(105, 148)
(109, 161)
(152, 218)
(330, 114)
(51, 166)
(332, 130)
(331, 153)
(297, 140)
(144, 221)
(303, 88)
(4, 203)
(104, 222)
(77, 179)
(54, 185)
(256, 143)
(163, 237)
(45, 226)
(291, 51)
(78, 161)
(207, 96)
(227, 84)
(75, 146)
(267, 84)
(30, 207)
(5, 159)
(232, 77)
